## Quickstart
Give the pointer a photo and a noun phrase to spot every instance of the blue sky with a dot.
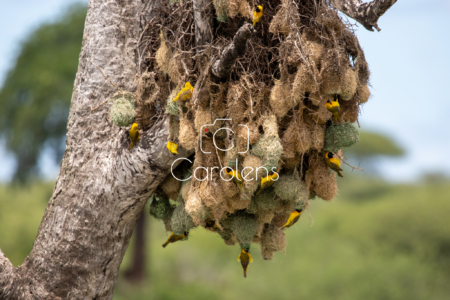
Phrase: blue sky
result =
(410, 67)
(21, 19)
(408, 59)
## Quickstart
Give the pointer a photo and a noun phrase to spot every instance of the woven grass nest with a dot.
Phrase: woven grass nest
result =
(299, 57)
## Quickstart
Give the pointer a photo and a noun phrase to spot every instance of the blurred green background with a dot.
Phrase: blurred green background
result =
(376, 240)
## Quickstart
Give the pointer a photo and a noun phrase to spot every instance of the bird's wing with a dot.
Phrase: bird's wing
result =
(184, 94)
(338, 167)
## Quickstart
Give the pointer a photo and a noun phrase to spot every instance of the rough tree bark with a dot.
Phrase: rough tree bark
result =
(365, 13)
(222, 67)
(203, 23)
(102, 187)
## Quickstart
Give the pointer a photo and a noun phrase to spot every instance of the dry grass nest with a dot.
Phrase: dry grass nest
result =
(300, 56)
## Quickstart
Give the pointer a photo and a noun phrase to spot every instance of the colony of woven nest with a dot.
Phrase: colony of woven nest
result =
(300, 56)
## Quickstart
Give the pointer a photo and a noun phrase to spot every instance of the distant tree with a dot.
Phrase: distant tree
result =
(372, 144)
(35, 97)
(35, 101)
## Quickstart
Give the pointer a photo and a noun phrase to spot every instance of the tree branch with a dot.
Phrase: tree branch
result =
(222, 67)
(203, 21)
(7, 274)
(365, 13)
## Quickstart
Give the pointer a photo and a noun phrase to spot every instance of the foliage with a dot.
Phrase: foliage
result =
(35, 97)
(374, 144)
(391, 245)
(21, 212)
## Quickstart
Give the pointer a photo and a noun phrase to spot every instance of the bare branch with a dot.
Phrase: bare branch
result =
(365, 13)
(222, 67)
(353, 168)
(203, 20)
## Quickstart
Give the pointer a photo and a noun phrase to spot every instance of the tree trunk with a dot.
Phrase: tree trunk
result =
(223, 66)
(102, 187)
(365, 13)
(136, 273)
(203, 23)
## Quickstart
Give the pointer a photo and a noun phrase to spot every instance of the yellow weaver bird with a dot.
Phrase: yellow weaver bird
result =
(245, 258)
(134, 135)
(237, 178)
(333, 163)
(211, 224)
(267, 181)
(257, 14)
(185, 92)
(174, 238)
(334, 108)
(293, 218)
(173, 147)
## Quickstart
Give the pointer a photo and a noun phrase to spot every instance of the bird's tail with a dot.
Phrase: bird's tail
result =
(336, 116)
(245, 273)
(131, 146)
(289, 223)
(340, 174)
(166, 243)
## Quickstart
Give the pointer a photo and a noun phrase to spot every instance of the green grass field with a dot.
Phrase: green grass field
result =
(375, 241)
